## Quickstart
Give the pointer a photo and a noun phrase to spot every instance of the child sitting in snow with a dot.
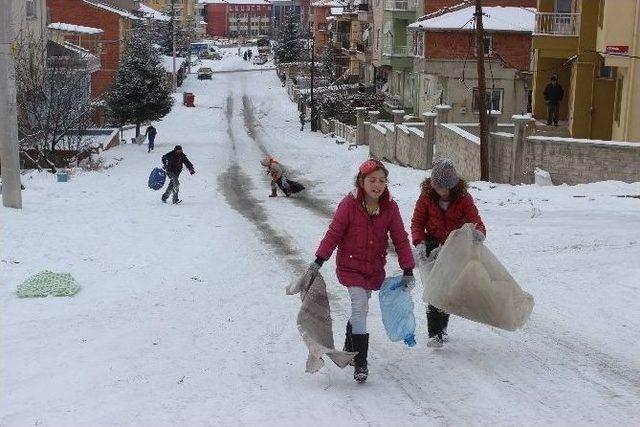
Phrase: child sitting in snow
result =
(360, 230)
(444, 205)
(279, 179)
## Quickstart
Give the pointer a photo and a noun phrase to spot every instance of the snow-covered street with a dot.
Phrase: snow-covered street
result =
(182, 318)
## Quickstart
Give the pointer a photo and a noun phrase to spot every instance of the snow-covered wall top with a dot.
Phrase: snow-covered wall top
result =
(513, 19)
(235, 1)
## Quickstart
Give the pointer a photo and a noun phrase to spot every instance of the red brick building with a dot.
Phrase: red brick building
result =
(444, 56)
(115, 24)
(232, 18)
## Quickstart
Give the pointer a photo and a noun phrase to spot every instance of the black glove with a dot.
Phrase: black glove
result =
(429, 245)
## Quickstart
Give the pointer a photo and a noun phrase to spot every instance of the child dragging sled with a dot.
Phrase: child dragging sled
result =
(279, 178)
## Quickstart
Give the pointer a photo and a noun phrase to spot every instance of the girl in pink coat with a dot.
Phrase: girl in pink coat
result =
(360, 230)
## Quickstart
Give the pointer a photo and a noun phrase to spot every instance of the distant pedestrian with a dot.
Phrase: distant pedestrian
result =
(244, 55)
(172, 162)
(151, 134)
(249, 53)
(302, 117)
(279, 178)
(553, 94)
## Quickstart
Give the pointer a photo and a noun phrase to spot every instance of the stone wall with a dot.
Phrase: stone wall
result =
(377, 140)
(578, 161)
(460, 146)
(500, 153)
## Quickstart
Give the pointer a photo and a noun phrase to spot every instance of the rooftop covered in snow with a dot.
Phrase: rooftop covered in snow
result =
(118, 11)
(235, 2)
(498, 18)
(329, 3)
(77, 29)
(153, 14)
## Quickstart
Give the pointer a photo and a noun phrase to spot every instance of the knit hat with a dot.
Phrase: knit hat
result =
(443, 174)
(370, 166)
(177, 148)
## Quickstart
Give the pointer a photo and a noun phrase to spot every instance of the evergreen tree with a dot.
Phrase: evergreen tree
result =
(290, 46)
(328, 62)
(140, 91)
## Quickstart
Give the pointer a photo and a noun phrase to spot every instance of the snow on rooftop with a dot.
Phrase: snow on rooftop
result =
(70, 28)
(513, 19)
(153, 14)
(329, 3)
(235, 2)
(116, 10)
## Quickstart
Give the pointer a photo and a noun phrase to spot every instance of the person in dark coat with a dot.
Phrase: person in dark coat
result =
(302, 117)
(172, 162)
(151, 134)
(553, 94)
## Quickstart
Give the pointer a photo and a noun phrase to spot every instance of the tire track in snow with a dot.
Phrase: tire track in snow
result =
(318, 206)
(237, 189)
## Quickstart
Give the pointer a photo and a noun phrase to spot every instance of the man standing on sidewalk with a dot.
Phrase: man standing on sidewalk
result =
(151, 134)
(172, 163)
(553, 94)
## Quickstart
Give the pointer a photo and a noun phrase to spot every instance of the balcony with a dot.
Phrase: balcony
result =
(400, 51)
(405, 5)
(557, 24)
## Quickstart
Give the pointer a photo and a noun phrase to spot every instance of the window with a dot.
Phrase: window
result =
(488, 45)
(606, 72)
(493, 99)
(618, 105)
(30, 7)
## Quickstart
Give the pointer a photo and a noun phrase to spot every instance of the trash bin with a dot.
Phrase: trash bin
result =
(190, 100)
(62, 176)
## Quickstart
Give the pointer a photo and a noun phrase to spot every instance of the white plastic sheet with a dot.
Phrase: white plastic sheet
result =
(466, 279)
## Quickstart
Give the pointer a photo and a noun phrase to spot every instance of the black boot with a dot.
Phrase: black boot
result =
(361, 345)
(274, 193)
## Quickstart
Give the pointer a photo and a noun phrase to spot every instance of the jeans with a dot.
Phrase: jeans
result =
(173, 187)
(553, 114)
(151, 140)
(359, 309)
(437, 321)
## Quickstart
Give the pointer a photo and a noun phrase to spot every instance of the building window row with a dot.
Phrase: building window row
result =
(248, 8)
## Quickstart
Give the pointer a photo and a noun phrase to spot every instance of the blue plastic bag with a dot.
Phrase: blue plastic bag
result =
(157, 178)
(396, 306)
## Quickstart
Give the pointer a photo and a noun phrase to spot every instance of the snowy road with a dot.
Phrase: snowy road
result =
(182, 318)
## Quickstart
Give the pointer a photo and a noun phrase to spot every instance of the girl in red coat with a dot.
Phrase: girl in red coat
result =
(444, 205)
(360, 230)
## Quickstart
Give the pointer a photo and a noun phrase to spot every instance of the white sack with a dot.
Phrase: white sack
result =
(314, 322)
(466, 279)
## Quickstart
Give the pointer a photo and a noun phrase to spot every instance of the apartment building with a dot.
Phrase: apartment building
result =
(233, 18)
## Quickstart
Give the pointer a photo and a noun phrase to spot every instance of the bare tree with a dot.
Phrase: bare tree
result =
(53, 95)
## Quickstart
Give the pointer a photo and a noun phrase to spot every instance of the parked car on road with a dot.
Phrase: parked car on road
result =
(205, 73)
(259, 60)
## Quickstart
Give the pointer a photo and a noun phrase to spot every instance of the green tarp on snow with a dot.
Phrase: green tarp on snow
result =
(48, 283)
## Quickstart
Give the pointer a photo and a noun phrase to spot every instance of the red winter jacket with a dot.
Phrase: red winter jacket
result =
(362, 241)
(429, 220)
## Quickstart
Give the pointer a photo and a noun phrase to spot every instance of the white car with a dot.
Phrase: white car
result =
(259, 60)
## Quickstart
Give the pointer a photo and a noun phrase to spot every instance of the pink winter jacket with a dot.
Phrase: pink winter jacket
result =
(362, 241)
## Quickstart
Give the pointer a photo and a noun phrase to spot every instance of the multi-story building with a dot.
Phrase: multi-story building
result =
(115, 22)
(232, 18)
(344, 29)
(283, 8)
(318, 13)
(593, 46)
(445, 71)
(186, 12)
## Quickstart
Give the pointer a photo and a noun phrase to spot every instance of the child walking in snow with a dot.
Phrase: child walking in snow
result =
(279, 178)
(444, 205)
(360, 229)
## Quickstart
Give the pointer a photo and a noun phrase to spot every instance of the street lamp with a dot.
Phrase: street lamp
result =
(314, 112)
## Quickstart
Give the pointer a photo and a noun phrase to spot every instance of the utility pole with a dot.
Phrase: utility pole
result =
(9, 154)
(173, 42)
(481, 100)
